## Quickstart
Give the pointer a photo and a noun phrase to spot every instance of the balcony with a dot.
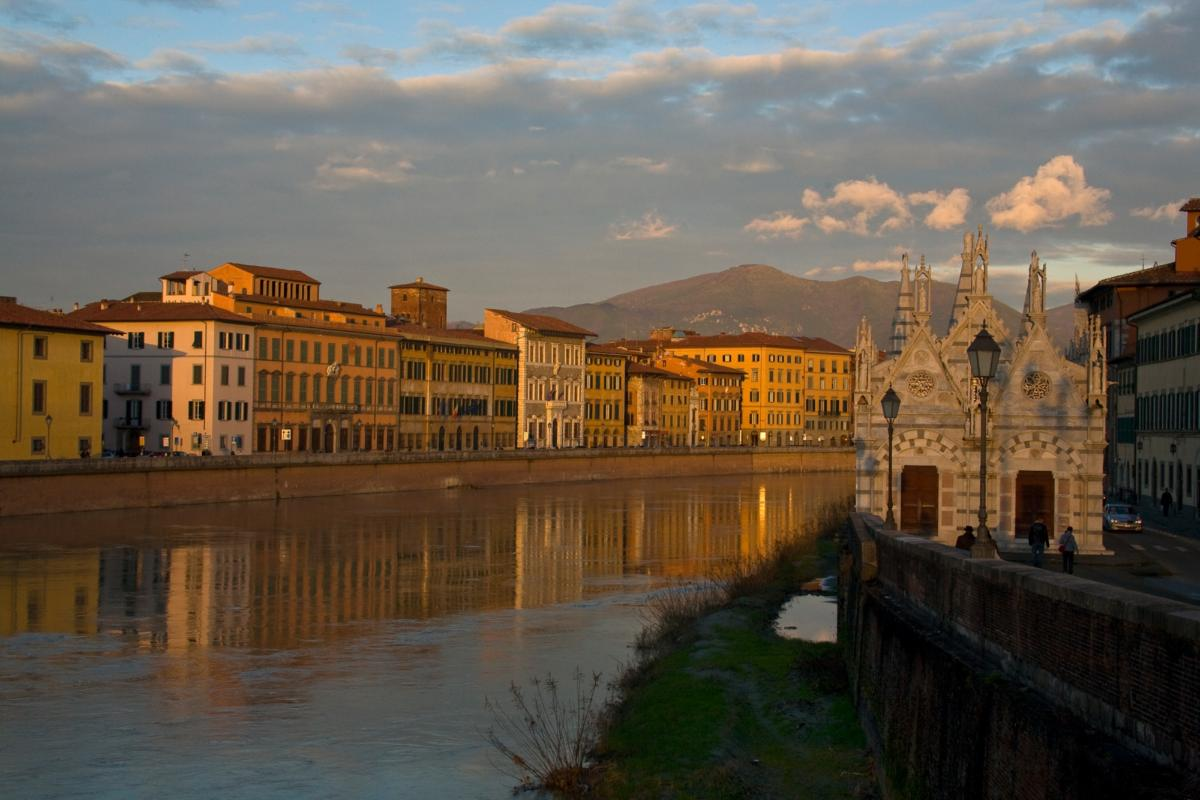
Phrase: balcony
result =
(131, 388)
(131, 424)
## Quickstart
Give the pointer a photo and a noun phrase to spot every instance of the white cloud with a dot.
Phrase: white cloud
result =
(650, 226)
(759, 165)
(780, 224)
(1166, 211)
(643, 163)
(864, 207)
(1057, 191)
(372, 164)
(949, 208)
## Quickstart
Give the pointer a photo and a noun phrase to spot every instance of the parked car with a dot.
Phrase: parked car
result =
(1119, 517)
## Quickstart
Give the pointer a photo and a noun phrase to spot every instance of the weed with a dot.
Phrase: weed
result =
(545, 739)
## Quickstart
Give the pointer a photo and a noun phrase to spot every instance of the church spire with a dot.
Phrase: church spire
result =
(972, 278)
(1035, 291)
(902, 320)
(923, 291)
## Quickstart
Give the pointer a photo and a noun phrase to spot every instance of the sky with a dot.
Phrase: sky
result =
(525, 154)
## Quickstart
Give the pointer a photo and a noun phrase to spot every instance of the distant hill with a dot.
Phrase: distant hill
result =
(758, 297)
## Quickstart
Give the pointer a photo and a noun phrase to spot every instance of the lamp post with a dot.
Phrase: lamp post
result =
(49, 422)
(984, 355)
(891, 409)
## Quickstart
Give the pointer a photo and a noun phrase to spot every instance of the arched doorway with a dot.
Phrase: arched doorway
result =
(918, 498)
(328, 438)
(554, 434)
(458, 438)
(1035, 499)
(475, 438)
(441, 438)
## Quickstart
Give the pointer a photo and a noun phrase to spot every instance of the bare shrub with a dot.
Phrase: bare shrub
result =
(668, 611)
(545, 739)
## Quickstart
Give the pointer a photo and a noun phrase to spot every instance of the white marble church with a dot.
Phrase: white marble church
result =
(1045, 439)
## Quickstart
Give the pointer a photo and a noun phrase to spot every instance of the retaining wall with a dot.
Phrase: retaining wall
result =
(986, 679)
(54, 486)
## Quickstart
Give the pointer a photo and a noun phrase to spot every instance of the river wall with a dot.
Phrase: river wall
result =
(988, 679)
(96, 484)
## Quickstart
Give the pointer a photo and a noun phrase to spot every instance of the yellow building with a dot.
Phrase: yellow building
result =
(51, 403)
(458, 390)
(324, 387)
(604, 396)
(657, 407)
(773, 389)
(828, 418)
(718, 412)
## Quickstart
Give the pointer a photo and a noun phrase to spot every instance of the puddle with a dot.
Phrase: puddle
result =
(808, 616)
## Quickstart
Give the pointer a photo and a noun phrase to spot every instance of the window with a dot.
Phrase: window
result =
(274, 349)
(85, 446)
(262, 348)
(224, 374)
(303, 352)
(197, 374)
(37, 445)
(135, 340)
(39, 397)
(195, 409)
(197, 339)
(85, 399)
(41, 347)
(85, 351)
(162, 410)
(166, 340)
(241, 376)
(290, 350)
(164, 374)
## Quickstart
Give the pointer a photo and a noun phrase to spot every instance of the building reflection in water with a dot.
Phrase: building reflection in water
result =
(281, 576)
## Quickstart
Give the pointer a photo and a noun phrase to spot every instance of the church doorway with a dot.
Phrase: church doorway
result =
(919, 499)
(1035, 498)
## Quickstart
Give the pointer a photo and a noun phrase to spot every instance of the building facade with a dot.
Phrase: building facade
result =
(604, 396)
(1166, 397)
(1045, 424)
(178, 380)
(716, 413)
(550, 381)
(828, 415)
(51, 402)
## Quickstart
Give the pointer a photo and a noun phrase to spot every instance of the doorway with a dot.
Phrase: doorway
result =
(919, 499)
(1035, 498)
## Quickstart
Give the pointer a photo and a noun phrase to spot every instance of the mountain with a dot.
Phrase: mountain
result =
(758, 297)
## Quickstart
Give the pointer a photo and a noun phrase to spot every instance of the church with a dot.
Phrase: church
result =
(1045, 415)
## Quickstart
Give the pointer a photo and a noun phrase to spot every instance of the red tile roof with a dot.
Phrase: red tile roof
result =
(277, 273)
(638, 368)
(15, 315)
(752, 339)
(543, 324)
(323, 305)
(1191, 205)
(419, 285)
(1159, 275)
(607, 350)
(820, 345)
(156, 312)
(180, 275)
(709, 366)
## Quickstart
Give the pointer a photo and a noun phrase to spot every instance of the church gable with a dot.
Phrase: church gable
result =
(921, 378)
(1039, 380)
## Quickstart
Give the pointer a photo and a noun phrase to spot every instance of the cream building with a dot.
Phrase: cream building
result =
(1167, 405)
(179, 379)
(1045, 427)
(551, 364)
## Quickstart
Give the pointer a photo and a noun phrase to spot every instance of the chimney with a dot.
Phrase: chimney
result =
(75, 306)
(379, 308)
(103, 305)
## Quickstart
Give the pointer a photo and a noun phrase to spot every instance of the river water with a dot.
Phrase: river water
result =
(336, 647)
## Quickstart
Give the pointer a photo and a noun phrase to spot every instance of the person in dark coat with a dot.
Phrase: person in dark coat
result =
(966, 539)
(1039, 537)
(1068, 547)
(1166, 501)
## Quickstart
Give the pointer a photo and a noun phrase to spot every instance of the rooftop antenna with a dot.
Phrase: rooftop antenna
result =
(1143, 260)
(186, 255)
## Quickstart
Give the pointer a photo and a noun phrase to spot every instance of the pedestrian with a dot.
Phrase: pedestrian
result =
(1166, 501)
(1068, 547)
(1039, 538)
(966, 540)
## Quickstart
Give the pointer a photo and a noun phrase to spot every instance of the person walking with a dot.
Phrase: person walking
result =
(1068, 547)
(1039, 538)
(1166, 501)
(966, 540)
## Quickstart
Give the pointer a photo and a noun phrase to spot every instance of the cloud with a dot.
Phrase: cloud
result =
(759, 165)
(650, 226)
(643, 163)
(373, 164)
(171, 60)
(864, 207)
(46, 13)
(780, 224)
(1057, 191)
(189, 5)
(272, 44)
(949, 208)
(369, 56)
(1167, 211)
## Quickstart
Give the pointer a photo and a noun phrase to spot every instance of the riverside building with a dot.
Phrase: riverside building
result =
(51, 401)
(604, 396)
(1045, 422)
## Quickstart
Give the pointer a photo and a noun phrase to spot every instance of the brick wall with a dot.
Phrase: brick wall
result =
(990, 679)
(96, 484)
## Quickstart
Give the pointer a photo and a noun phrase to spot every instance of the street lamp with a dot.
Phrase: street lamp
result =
(49, 421)
(984, 355)
(891, 409)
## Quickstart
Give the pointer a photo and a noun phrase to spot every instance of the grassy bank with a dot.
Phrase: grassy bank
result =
(719, 706)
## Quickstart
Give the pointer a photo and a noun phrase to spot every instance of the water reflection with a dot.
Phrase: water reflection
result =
(402, 607)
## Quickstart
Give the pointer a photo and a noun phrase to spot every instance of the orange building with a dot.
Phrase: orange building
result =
(718, 407)
(828, 417)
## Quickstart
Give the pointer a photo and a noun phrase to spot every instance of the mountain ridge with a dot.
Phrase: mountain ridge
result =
(760, 297)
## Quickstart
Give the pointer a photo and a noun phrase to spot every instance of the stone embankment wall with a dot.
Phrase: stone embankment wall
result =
(986, 679)
(54, 486)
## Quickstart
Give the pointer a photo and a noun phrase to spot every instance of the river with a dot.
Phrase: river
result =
(337, 647)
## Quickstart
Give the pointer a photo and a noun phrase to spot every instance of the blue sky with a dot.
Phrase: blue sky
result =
(530, 154)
